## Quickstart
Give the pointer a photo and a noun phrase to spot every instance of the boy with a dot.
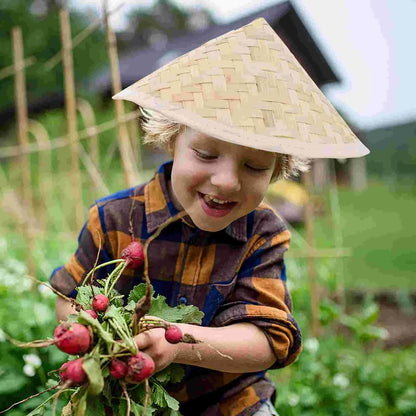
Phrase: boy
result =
(235, 113)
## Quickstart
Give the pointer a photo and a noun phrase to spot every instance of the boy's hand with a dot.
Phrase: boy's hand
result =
(153, 342)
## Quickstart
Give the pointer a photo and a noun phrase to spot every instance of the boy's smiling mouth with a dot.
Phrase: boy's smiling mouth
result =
(214, 206)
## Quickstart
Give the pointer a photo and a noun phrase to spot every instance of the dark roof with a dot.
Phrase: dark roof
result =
(283, 18)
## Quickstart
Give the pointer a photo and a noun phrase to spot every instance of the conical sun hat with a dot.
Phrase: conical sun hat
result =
(246, 87)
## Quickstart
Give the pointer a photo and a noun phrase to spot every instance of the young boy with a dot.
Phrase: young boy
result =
(235, 114)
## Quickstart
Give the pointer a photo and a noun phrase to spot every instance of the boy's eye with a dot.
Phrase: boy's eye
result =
(255, 169)
(204, 156)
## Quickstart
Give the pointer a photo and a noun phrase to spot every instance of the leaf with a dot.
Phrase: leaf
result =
(182, 313)
(162, 398)
(95, 406)
(79, 399)
(173, 373)
(190, 314)
(92, 367)
(138, 292)
(84, 296)
(136, 409)
(11, 381)
(171, 402)
(130, 306)
(39, 411)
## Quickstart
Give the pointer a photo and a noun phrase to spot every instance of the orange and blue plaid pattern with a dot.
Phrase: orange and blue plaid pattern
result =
(234, 275)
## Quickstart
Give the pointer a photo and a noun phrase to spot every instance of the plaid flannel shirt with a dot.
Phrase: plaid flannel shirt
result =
(233, 275)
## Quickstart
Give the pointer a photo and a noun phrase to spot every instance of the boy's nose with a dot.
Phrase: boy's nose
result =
(226, 178)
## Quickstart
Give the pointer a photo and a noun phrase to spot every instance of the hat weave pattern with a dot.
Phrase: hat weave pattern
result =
(247, 88)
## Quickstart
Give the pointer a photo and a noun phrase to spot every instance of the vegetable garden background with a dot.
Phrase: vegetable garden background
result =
(351, 267)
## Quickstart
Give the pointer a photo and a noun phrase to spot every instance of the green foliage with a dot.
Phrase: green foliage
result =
(376, 225)
(339, 377)
(26, 313)
(393, 150)
(42, 39)
(163, 19)
(187, 314)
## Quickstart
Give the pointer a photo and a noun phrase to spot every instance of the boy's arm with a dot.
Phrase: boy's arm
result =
(236, 348)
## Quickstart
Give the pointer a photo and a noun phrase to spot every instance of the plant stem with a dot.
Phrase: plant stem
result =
(99, 267)
(120, 272)
(31, 397)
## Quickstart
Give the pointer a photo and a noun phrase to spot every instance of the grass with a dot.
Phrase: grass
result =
(378, 226)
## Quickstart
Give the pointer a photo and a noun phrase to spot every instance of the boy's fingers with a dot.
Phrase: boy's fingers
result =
(148, 338)
(142, 340)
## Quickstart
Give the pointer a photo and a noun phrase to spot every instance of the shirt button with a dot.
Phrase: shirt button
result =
(183, 301)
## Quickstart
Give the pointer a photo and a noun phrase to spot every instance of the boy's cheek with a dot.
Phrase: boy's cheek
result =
(196, 178)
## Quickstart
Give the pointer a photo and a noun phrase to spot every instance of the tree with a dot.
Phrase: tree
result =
(162, 21)
(39, 20)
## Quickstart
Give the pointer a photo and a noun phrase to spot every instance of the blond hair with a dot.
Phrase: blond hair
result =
(161, 132)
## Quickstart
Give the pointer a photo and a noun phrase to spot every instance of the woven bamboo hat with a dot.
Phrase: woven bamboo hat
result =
(247, 88)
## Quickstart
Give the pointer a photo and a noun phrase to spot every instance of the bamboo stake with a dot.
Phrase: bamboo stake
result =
(41, 136)
(129, 166)
(71, 115)
(51, 63)
(136, 142)
(21, 115)
(59, 142)
(310, 238)
(23, 161)
(337, 227)
(95, 175)
(88, 117)
(10, 71)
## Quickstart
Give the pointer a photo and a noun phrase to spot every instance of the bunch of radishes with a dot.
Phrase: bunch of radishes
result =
(77, 339)
(103, 334)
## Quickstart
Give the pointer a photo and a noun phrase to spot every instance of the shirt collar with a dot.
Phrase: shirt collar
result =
(159, 206)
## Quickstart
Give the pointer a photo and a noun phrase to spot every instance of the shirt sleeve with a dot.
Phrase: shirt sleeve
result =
(66, 278)
(261, 297)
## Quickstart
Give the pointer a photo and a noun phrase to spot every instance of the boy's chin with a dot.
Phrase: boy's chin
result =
(211, 226)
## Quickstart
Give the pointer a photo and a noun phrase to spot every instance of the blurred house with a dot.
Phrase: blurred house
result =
(137, 62)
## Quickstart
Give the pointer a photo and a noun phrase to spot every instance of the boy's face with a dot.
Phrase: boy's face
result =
(217, 182)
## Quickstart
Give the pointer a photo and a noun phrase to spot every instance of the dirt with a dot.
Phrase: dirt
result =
(397, 314)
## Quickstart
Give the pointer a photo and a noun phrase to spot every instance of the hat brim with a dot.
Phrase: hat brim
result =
(280, 138)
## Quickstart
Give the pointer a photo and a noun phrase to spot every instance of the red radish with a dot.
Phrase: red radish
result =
(133, 254)
(92, 313)
(62, 372)
(173, 334)
(72, 338)
(100, 303)
(139, 367)
(72, 371)
(118, 368)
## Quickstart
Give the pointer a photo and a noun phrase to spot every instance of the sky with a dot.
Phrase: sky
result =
(366, 42)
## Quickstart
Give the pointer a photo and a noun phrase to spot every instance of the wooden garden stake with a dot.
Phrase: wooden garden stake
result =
(39, 132)
(88, 117)
(336, 222)
(71, 115)
(21, 115)
(129, 165)
(136, 142)
(310, 238)
(23, 160)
